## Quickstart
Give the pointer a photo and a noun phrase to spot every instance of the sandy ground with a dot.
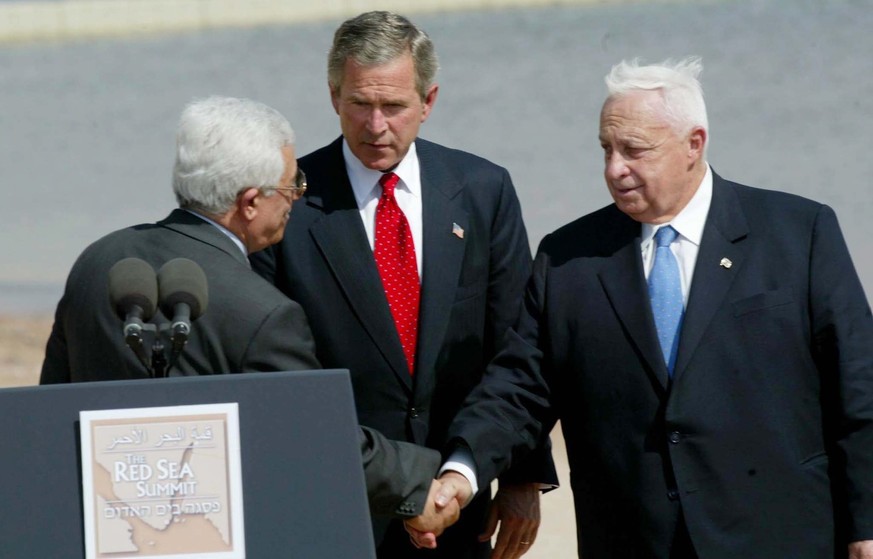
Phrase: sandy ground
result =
(22, 346)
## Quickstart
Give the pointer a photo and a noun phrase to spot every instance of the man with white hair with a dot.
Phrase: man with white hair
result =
(707, 347)
(235, 179)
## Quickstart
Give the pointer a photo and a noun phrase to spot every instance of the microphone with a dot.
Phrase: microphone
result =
(184, 297)
(133, 293)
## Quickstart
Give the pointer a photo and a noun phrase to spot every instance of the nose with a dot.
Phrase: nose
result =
(376, 123)
(616, 166)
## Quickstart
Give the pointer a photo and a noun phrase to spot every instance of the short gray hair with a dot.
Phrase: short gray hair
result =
(223, 145)
(374, 38)
(677, 82)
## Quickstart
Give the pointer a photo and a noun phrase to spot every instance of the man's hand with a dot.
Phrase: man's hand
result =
(517, 509)
(861, 550)
(454, 486)
(444, 501)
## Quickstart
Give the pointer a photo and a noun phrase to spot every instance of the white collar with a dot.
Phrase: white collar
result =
(236, 240)
(689, 222)
(364, 181)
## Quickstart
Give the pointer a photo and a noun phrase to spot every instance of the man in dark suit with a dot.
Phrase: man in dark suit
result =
(414, 316)
(235, 178)
(231, 203)
(707, 346)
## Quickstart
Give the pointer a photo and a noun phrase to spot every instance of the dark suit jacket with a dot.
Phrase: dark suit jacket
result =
(398, 474)
(764, 438)
(471, 291)
(249, 326)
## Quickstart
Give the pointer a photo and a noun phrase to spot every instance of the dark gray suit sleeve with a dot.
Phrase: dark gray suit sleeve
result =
(398, 474)
(283, 342)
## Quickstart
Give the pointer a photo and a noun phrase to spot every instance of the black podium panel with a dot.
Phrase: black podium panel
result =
(303, 484)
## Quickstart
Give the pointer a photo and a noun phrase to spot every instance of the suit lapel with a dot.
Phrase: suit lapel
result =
(623, 280)
(340, 236)
(725, 226)
(443, 255)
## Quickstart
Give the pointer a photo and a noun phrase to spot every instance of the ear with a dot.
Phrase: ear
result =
(429, 101)
(696, 142)
(247, 203)
(334, 98)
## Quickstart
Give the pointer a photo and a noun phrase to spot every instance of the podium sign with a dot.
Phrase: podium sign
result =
(162, 482)
(299, 452)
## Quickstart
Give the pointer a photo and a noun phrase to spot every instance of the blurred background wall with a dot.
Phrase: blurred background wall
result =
(25, 20)
(87, 122)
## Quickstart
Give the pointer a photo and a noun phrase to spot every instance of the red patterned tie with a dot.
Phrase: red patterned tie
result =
(395, 258)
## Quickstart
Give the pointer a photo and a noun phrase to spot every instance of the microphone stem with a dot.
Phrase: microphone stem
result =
(159, 361)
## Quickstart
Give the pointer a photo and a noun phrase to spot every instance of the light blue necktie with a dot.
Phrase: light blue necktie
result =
(665, 290)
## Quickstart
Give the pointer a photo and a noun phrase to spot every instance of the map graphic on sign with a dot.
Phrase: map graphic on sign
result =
(163, 482)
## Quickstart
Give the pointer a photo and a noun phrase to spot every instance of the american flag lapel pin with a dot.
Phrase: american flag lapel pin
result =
(725, 263)
(457, 230)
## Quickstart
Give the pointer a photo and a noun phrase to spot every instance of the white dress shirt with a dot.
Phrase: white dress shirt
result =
(689, 224)
(365, 184)
(367, 190)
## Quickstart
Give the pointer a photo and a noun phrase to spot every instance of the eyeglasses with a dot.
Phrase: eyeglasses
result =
(297, 190)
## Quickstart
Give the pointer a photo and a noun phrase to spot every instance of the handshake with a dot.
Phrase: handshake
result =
(447, 496)
(516, 508)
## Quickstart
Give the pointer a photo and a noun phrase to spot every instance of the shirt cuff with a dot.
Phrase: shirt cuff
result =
(462, 462)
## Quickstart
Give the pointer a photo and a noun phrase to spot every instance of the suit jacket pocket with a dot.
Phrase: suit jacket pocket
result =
(761, 301)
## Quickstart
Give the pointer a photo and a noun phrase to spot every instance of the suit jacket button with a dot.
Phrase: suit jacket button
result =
(675, 437)
(413, 413)
(673, 494)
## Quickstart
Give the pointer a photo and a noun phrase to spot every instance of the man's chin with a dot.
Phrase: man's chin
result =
(381, 165)
(632, 208)
(378, 159)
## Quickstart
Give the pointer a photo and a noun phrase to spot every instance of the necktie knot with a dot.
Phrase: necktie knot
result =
(665, 236)
(389, 182)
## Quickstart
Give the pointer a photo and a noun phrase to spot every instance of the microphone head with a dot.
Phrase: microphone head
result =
(133, 282)
(182, 281)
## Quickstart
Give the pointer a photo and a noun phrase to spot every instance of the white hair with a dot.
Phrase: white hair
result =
(677, 83)
(223, 145)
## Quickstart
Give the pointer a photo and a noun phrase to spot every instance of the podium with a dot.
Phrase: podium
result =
(303, 484)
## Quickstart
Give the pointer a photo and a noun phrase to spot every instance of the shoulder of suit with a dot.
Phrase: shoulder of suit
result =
(426, 148)
(763, 200)
(329, 151)
(598, 233)
(115, 245)
(606, 219)
(244, 289)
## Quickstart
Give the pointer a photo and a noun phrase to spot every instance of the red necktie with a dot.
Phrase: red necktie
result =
(395, 258)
